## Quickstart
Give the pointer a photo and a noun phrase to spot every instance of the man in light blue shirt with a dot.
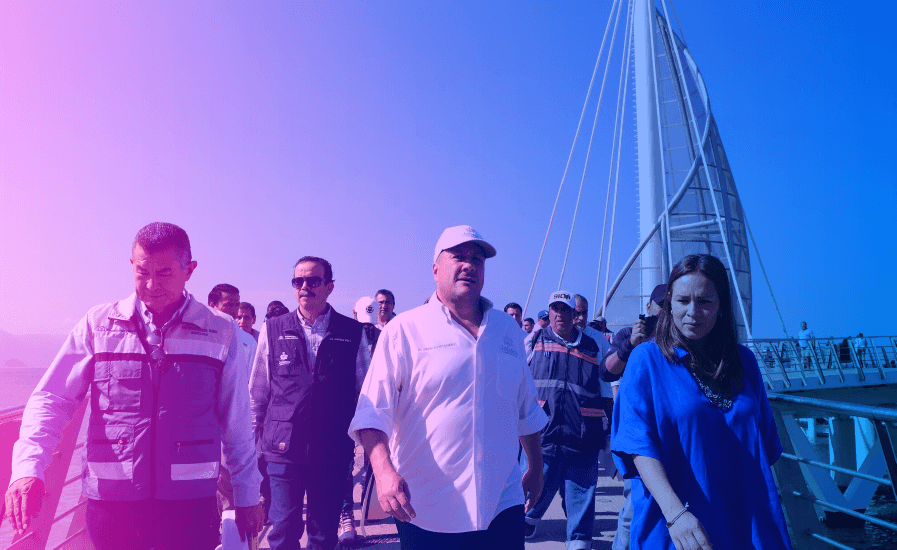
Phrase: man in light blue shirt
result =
(804, 340)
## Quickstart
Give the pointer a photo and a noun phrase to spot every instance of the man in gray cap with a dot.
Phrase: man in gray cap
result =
(446, 402)
(568, 367)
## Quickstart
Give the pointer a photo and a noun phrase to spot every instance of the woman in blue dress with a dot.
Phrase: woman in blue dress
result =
(693, 429)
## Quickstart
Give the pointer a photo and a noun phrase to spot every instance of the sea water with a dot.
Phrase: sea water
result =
(17, 385)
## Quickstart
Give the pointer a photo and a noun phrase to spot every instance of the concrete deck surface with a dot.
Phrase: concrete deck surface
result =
(551, 534)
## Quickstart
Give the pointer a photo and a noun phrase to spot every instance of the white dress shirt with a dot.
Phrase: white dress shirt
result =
(453, 407)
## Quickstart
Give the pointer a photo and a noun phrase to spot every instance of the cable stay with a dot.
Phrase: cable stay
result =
(687, 199)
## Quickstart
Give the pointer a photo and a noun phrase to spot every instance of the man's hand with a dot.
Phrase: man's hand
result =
(23, 502)
(249, 520)
(394, 496)
(392, 491)
(638, 333)
(533, 481)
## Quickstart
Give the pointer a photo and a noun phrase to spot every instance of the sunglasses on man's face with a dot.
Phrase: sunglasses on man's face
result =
(311, 282)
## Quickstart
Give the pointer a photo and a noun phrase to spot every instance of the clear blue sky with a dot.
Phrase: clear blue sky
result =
(357, 131)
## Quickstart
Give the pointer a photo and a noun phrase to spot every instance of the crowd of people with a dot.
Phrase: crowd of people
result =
(471, 419)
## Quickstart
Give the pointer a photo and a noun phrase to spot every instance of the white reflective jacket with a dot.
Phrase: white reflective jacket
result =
(152, 433)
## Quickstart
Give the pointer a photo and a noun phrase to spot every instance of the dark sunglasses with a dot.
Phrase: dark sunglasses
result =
(312, 282)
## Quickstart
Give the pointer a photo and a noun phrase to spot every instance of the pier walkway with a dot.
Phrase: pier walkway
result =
(381, 535)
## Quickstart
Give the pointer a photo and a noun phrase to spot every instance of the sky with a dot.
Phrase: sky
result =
(357, 131)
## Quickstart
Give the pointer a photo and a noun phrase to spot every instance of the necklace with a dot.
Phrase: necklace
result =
(721, 399)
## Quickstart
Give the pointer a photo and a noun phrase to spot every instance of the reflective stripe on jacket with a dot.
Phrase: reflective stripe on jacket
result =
(567, 379)
(153, 433)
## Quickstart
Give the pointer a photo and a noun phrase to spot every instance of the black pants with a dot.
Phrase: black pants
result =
(161, 524)
(505, 532)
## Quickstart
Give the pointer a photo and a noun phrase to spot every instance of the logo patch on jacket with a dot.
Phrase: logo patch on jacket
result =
(114, 332)
(335, 339)
(284, 359)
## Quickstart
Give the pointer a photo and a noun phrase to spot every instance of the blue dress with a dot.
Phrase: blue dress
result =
(719, 462)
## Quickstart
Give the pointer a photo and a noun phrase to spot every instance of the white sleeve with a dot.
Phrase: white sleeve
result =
(260, 381)
(531, 417)
(379, 397)
(235, 423)
(53, 404)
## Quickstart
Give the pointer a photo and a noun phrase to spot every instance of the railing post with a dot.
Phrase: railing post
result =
(815, 360)
(798, 360)
(875, 360)
(761, 360)
(856, 360)
(799, 513)
(836, 353)
(775, 353)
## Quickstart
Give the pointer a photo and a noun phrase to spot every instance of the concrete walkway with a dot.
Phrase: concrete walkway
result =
(381, 535)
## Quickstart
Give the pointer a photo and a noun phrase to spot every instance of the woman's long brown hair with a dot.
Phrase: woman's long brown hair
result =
(717, 361)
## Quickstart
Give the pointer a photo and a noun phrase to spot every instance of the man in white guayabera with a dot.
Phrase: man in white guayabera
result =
(168, 378)
(446, 402)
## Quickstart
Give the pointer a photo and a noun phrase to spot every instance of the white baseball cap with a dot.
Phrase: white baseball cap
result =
(562, 296)
(460, 234)
(366, 309)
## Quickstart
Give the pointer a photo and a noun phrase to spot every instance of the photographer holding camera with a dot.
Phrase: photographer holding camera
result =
(626, 339)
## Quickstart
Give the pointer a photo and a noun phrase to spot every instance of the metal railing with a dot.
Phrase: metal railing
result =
(38, 534)
(785, 360)
(798, 502)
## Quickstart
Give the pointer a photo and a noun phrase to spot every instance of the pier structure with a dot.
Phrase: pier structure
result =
(856, 393)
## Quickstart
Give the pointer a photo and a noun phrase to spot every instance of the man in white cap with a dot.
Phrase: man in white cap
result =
(568, 367)
(445, 403)
(365, 312)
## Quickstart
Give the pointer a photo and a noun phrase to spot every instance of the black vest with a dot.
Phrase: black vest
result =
(310, 406)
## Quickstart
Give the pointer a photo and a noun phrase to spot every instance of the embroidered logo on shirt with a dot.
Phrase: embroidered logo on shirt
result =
(289, 337)
(507, 346)
(284, 359)
(438, 346)
(341, 339)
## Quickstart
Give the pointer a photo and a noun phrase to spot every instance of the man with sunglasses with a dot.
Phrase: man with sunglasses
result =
(168, 380)
(304, 385)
